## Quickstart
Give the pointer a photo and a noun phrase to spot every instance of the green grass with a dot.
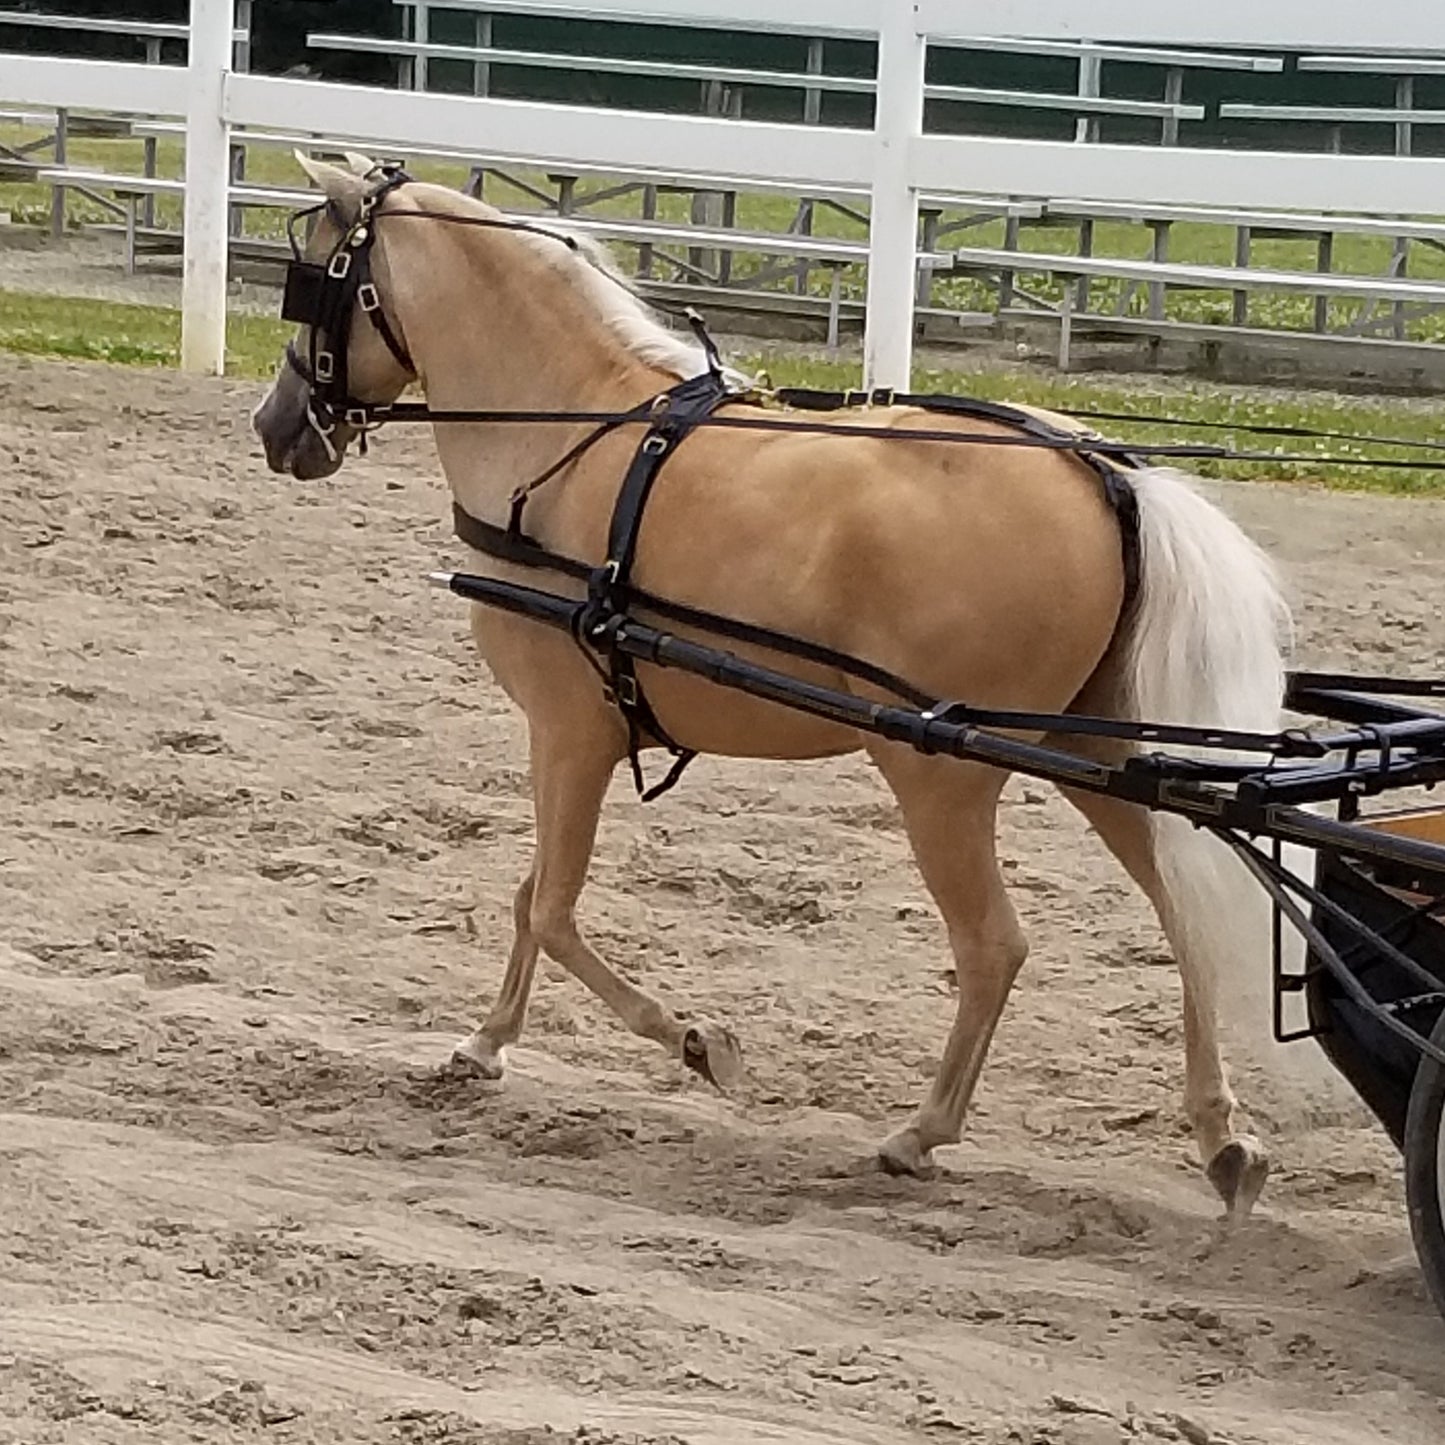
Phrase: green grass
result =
(150, 336)
(87, 330)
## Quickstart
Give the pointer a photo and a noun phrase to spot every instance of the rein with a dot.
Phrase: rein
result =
(320, 293)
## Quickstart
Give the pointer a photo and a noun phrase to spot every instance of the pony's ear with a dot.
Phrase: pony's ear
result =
(344, 189)
(361, 165)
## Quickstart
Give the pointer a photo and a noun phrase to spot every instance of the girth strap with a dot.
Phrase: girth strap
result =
(600, 619)
(609, 589)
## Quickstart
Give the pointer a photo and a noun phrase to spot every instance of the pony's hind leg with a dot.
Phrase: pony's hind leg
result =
(1236, 1164)
(571, 768)
(950, 809)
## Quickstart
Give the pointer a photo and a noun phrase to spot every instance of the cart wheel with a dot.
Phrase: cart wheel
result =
(1425, 1169)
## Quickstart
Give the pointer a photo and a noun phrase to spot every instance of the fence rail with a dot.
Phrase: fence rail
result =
(895, 161)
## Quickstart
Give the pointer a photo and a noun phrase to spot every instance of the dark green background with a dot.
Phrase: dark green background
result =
(279, 45)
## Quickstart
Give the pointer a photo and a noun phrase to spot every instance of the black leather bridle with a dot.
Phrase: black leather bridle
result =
(324, 296)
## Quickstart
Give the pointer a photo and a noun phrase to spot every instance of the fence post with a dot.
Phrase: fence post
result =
(241, 61)
(893, 231)
(208, 175)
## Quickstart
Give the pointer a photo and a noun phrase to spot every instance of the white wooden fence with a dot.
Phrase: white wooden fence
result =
(896, 161)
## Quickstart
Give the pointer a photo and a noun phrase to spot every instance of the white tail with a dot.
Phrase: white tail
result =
(1211, 624)
(1207, 648)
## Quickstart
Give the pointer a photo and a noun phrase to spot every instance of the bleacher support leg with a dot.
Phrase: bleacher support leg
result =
(1399, 266)
(57, 195)
(1159, 252)
(835, 306)
(813, 97)
(1322, 303)
(1006, 278)
(481, 70)
(148, 208)
(1173, 95)
(802, 226)
(1242, 242)
(928, 241)
(1086, 248)
(649, 213)
(1404, 145)
(1066, 327)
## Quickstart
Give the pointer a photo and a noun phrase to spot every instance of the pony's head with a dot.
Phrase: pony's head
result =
(352, 282)
(349, 352)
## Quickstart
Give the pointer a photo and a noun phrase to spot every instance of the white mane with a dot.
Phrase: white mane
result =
(589, 265)
(622, 310)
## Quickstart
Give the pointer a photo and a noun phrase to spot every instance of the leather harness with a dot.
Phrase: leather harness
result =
(325, 297)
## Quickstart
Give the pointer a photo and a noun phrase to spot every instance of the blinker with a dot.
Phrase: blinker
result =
(301, 300)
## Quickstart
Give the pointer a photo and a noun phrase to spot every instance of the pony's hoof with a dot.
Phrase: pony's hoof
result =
(1238, 1173)
(903, 1154)
(713, 1051)
(476, 1058)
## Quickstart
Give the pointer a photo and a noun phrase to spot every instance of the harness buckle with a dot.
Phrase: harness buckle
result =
(368, 298)
(357, 416)
(325, 366)
(655, 444)
(358, 236)
(339, 266)
(622, 691)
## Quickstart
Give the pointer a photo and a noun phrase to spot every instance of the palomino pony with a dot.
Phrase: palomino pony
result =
(993, 573)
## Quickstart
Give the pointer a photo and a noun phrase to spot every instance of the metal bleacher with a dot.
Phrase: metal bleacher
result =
(786, 270)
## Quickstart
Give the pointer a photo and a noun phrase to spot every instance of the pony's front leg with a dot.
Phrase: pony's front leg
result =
(572, 765)
(481, 1052)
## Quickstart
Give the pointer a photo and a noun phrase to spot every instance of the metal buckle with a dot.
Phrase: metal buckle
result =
(339, 266)
(358, 237)
(655, 445)
(368, 298)
(624, 691)
(325, 366)
(357, 416)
